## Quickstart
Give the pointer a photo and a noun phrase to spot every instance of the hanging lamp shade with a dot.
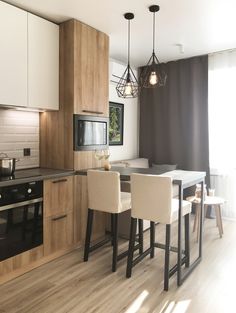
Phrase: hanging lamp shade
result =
(152, 75)
(127, 86)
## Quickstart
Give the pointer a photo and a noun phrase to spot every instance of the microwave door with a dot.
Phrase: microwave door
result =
(98, 133)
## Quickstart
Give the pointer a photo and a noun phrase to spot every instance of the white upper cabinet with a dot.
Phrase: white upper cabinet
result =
(43, 63)
(13, 55)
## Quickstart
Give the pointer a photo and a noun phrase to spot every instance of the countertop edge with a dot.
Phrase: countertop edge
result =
(40, 177)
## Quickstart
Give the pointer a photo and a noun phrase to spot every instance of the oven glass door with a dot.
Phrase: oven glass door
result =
(21, 228)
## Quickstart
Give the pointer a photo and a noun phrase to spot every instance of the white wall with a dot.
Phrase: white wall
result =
(19, 130)
(129, 149)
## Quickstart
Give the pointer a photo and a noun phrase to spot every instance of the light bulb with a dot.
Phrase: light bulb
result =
(153, 78)
(128, 89)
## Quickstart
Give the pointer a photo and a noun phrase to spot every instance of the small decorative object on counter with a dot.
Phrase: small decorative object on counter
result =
(107, 165)
(198, 191)
(103, 155)
(211, 192)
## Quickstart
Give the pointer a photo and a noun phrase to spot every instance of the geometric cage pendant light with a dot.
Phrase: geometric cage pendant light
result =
(127, 86)
(152, 76)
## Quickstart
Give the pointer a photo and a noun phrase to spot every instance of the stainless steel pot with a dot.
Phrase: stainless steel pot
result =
(7, 165)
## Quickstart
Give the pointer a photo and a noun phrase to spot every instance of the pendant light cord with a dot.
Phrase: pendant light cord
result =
(128, 41)
(153, 32)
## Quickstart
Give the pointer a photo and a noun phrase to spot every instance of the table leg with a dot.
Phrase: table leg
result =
(182, 276)
(221, 224)
(219, 220)
(179, 262)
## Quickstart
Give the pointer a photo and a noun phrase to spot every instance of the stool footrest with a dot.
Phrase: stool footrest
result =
(174, 269)
(162, 246)
(99, 244)
(141, 256)
(124, 254)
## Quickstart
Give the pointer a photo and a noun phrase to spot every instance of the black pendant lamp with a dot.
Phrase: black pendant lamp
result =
(152, 76)
(127, 86)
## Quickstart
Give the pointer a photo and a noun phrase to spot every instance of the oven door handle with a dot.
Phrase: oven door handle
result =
(19, 204)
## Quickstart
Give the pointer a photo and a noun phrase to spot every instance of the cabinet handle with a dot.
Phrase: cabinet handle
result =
(59, 181)
(94, 112)
(59, 217)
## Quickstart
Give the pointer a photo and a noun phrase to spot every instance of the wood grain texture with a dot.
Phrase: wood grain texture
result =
(58, 232)
(84, 82)
(35, 261)
(10, 265)
(86, 159)
(69, 285)
(91, 70)
(81, 210)
(58, 196)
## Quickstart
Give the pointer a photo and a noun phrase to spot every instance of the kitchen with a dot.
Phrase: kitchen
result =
(37, 128)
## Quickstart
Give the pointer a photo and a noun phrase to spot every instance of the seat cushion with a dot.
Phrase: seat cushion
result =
(125, 201)
(186, 208)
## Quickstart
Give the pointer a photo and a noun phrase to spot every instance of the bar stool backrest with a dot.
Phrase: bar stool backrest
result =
(104, 191)
(151, 198)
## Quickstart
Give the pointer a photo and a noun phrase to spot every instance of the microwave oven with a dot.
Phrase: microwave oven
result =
(90, 132)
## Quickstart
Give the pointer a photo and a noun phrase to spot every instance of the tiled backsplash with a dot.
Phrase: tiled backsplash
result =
(19, 130)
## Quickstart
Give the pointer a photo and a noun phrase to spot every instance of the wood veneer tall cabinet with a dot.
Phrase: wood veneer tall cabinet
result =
(84, 83)
(84, 61)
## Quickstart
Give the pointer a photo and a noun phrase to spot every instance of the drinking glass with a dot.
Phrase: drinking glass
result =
(99, 154)
(106, 154)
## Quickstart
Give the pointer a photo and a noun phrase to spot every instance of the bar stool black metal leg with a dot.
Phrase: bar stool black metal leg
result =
(133, 228)
(140, 234)
(115, 241)
(187, 239)
(112, 229)
(88, 234)
(167, 258)
(152, 239)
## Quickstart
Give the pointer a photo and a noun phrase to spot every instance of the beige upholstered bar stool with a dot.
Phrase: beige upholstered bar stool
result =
(104, 195)
(151, 199)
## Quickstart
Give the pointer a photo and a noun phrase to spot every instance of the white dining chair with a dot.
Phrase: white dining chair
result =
(104, 195)
(151, 199)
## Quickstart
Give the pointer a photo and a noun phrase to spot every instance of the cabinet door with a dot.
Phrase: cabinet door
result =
(13, 55)
(58, 233)
(43, 63)
(91, 71)
(58, 196)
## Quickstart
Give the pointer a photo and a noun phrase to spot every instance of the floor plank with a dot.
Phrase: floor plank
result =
(67, 285)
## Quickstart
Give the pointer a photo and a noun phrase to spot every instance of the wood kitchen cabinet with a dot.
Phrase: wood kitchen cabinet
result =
(58, 196)
(84, 83)
(58, 215)
(58, 232)
(13, 56)
(91, 70)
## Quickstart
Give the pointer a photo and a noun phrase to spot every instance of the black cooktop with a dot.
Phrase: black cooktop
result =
(33, 174)
(18, 175)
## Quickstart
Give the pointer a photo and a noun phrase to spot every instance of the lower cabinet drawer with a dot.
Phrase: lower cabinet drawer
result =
(58, 232)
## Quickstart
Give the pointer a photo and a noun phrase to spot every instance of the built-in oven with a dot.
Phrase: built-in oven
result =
(21, 218)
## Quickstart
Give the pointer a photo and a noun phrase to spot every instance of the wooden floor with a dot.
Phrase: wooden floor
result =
(67, 285)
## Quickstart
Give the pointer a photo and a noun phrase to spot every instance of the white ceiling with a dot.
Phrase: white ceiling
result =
(202, 26)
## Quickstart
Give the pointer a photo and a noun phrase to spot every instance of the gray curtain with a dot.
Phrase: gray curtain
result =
(174, 118)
